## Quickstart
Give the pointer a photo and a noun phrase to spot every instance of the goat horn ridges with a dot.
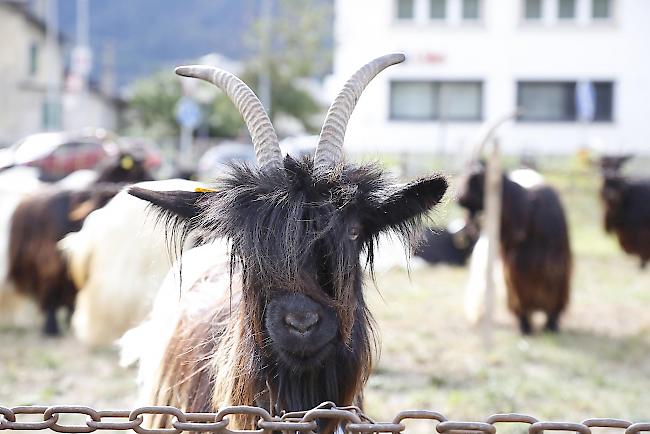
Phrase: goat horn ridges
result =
(330, 144)
(265, 141)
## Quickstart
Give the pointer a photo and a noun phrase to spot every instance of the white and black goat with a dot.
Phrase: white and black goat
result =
(115, 291)
(282, 323)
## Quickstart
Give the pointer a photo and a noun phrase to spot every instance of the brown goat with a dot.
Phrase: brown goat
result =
(38, 223)
(534, 246)
(36, 267)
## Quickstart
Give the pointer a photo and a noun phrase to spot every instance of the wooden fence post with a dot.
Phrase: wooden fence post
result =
(492, 224)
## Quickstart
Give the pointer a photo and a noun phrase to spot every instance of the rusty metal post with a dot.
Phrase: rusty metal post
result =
(492, 200)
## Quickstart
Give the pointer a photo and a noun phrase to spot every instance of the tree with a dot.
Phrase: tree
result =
(222, 118)
(287, 97)
(299, 41)
(302, 33)
(152, 107)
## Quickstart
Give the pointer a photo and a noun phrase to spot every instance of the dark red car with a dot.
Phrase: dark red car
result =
(57, 154)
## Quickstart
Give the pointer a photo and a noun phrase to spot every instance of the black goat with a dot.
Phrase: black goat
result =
(296, 330)
(627, 208)
(534, 246)
(447, 245)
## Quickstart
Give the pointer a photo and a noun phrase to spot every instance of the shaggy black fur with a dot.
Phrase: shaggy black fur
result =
(627, 208)
(125, 168)
(440, 246)
(534, 246)
(301, 231)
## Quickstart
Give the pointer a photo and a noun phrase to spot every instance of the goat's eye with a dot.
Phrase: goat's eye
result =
(354, 232)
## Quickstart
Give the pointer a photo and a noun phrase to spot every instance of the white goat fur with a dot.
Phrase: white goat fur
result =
(146, 343)
(117, 261)
(15, 184)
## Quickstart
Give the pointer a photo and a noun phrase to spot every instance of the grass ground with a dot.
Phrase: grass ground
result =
(431, 358)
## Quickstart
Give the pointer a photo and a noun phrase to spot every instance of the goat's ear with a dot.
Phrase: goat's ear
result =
(183, 204)
(406, 204)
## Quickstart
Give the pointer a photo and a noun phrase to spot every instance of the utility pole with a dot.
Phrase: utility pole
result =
(265, 52)
(82, 60)
(107, 80)
(52, 119)
(83, 27)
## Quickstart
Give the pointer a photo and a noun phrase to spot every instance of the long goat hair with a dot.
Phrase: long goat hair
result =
(280, 321)
(627, 207)
(535, 248)
(116, 291)
(36, 267)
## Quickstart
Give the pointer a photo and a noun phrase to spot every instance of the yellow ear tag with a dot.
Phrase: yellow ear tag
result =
(127, 163)
(204, 190)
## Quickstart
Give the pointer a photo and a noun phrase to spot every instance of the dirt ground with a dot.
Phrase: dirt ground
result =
(431, 357)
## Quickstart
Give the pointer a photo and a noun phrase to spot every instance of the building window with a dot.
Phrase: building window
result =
(564, 101)
(471, 10)
(533, 9)
(33, 58)
(436, 100)
(413, 100)
(601, 9)
(460, 101)
(566, 9)
(604, 101)
(547, 101)
(438, 9)
(405, 9)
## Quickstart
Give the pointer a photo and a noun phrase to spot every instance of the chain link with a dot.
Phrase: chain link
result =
(351, 419)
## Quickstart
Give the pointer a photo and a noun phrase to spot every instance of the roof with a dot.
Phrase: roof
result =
(22, 7)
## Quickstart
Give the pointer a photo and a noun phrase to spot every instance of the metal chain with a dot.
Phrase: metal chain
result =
(350, 418)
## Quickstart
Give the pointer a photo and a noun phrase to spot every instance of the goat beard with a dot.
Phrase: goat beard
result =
(298, 391)
(294, 391)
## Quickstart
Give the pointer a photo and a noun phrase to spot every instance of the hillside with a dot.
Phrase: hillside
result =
(150, 34)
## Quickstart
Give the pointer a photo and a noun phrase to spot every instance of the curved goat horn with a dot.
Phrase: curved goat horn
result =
(265, 141)
(330, 144)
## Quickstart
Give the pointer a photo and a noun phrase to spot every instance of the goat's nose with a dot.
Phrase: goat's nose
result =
(301, 322)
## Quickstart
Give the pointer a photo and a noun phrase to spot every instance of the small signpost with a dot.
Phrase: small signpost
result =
(188, 116)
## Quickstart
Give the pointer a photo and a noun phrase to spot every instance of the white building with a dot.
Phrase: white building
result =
(470, 61)
(28, 66)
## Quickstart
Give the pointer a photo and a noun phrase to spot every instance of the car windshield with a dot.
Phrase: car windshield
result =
(36, 146)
